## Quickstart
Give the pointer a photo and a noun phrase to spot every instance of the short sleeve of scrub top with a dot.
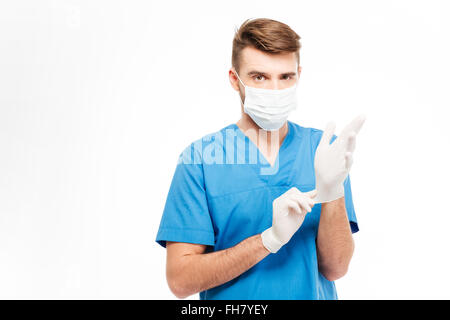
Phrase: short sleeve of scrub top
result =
(186, 216)
(222, 193)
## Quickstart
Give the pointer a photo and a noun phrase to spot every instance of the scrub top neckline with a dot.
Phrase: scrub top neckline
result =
(287, 139)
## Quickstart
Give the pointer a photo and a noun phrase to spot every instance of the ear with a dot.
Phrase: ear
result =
(233, 79)
(299, 69)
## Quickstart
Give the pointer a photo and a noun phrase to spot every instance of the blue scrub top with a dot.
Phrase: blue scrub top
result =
(222, 193)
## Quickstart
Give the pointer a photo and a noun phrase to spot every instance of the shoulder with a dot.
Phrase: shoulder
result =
(310, 133)
(300, 129)
(304, 132)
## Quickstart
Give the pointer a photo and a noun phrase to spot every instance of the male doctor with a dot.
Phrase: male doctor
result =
(262, 208)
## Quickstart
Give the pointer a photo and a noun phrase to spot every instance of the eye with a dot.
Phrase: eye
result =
(287, 77)
(258, 77)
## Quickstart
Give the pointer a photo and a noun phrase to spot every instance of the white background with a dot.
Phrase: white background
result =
(98, 99)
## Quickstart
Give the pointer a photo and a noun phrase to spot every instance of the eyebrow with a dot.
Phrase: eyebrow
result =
(255, 72)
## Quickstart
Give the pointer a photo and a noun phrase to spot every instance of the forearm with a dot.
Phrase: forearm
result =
(199, 272)
(334, 240)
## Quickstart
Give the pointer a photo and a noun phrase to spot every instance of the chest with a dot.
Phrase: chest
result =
(240, 199)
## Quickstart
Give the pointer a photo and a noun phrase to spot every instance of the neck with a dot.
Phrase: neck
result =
(246, 123)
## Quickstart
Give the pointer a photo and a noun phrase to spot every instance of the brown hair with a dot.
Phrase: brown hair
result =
(267, 35)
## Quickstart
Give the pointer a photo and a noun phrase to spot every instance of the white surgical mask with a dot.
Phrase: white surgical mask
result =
(269, 108)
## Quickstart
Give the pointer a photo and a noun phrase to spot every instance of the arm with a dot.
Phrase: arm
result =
(190, 270)
(335, 243)
(332, 165)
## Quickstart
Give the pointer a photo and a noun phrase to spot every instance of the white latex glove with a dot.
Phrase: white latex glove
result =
(289, 211)
(332, 162)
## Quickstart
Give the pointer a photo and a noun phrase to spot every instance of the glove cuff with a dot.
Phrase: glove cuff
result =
(327, 195)
(270, 241)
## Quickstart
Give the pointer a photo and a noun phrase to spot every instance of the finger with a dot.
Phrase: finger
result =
(351, 141)
(298, 199)
(355, 125)
(310, 197)
(291, 204)
(348, 160)
(305, 197)
(311, 193)
(358, 122)
(304, 204)
(328, 133)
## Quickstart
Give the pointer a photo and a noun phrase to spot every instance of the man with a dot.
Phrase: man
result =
(277, 228)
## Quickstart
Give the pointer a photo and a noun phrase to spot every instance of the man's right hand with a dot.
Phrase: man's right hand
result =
(289, 212)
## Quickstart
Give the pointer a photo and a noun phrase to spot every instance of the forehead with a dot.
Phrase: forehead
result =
(254, 59)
